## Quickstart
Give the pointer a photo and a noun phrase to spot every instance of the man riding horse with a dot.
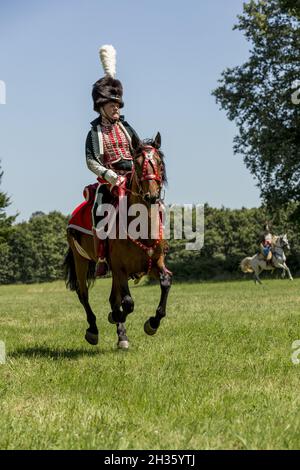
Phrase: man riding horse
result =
(265, 241)
(108, 144)
(132, 172)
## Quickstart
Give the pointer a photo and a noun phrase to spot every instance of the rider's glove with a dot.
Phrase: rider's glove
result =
(120, 180)
(111, 177)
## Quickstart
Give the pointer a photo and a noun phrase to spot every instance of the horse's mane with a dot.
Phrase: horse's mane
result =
(146, 142)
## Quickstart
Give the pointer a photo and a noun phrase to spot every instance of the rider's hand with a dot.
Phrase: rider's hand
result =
(111, 177)
(120, 180)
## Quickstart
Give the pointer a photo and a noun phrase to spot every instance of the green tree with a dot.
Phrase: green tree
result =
(6, 231)
(290, 6)
(230, 235)
(5, 221)
(257, 95)
(39, 246)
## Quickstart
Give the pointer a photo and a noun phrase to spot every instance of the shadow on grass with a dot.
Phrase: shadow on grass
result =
(56, 354)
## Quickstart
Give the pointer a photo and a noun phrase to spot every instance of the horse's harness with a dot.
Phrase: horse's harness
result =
(148, 152)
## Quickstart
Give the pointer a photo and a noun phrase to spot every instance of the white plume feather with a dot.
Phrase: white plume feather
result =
(108, 59)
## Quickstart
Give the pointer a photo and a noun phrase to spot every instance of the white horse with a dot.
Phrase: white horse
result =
(257, 264)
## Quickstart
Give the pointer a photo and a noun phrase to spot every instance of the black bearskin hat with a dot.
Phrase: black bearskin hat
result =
(105, 90)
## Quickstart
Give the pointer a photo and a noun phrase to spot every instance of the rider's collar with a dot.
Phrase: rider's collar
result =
(98, 120)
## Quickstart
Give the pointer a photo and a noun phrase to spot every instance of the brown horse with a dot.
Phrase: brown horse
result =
(127, 257)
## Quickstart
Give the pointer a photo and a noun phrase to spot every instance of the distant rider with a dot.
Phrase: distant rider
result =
(266, 243)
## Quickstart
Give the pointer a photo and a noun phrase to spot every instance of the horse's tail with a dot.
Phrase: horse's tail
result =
(70, 271)
(246, 266)
(70, 274)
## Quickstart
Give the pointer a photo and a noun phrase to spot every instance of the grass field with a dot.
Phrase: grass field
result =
(217, 375)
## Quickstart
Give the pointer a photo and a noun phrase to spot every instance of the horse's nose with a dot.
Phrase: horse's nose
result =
(150, 198)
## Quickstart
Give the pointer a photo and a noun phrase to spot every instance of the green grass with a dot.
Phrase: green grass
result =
(217, 375)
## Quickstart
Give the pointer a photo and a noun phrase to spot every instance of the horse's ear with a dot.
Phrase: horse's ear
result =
(157, 141)
(135, 142)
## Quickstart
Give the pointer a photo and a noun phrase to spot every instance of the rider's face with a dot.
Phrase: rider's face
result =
(112, 110)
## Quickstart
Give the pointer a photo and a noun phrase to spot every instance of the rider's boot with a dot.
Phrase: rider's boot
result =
(269, 258)
(266, 253)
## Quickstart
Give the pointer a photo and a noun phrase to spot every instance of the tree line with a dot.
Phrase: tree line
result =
(33, 251)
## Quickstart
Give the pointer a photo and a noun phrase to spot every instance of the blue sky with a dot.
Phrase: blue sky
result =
(169, 57)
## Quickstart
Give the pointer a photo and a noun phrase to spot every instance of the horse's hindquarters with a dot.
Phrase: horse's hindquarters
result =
(246, 265)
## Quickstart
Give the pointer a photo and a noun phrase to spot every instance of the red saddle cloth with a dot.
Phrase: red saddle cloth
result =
(81, 218)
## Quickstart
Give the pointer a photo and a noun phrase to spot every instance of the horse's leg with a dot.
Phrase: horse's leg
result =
(123, 342)
(289, 273)
(117, 299)
(116, 316)
(165, 279)
(120, 296)
(257, 271)
(82, 266)
(286, 269)
(127, 301)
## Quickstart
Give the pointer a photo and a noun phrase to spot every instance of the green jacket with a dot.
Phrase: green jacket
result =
(93, 147)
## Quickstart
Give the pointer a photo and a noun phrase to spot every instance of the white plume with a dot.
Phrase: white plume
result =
(108, 59)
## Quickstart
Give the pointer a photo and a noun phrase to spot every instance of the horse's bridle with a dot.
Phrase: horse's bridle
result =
(282, 244)
(149, 158)
(148, 152)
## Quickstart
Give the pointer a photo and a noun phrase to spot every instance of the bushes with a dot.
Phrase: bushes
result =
(34, 251)
(230, 235)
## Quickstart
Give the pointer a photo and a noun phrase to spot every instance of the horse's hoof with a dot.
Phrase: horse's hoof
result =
(92, 338)
(123, 345)
(148, 328)
(110, 318)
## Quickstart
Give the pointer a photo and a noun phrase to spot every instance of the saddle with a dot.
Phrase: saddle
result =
(268, 258)
(81, 218)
